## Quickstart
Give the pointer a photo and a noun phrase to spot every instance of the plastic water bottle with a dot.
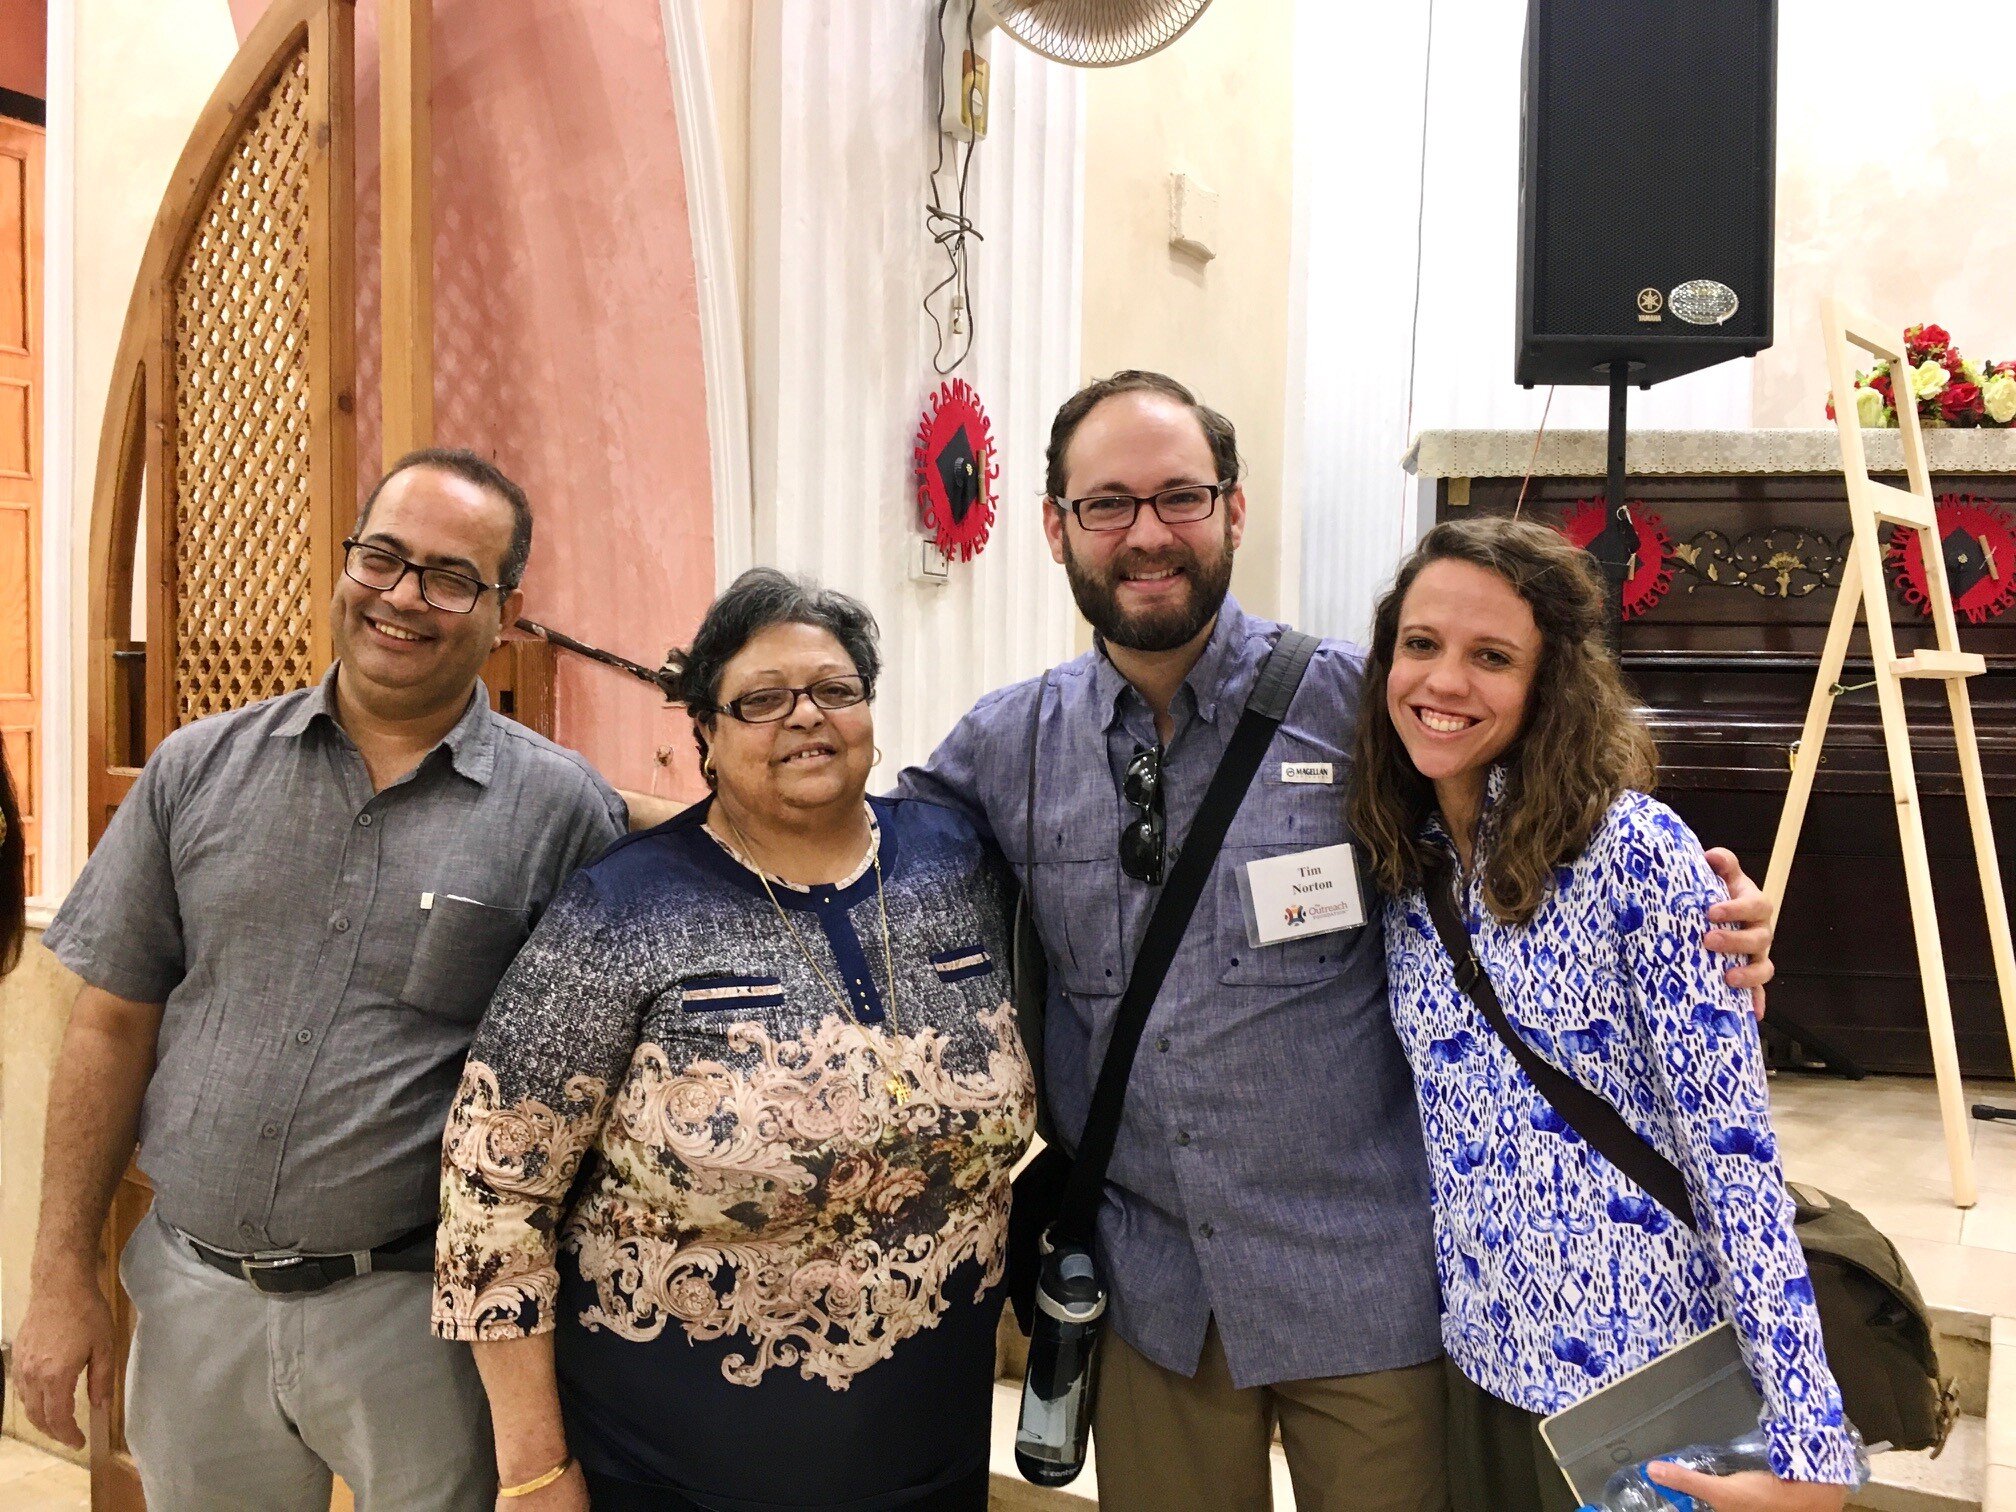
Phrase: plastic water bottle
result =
(1631, 1490)
(1056, 1423)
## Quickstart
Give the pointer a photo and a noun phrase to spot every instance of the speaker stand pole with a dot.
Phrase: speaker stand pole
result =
(1617, 544)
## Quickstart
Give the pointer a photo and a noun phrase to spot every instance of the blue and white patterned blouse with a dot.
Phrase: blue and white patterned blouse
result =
(1559, 1274)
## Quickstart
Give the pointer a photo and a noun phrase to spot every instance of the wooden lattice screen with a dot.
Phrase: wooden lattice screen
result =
(228, 451)
(227, 462)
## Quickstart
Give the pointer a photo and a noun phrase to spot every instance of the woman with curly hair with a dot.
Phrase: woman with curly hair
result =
(1499, 755)
(13, 872)
(725, 1187)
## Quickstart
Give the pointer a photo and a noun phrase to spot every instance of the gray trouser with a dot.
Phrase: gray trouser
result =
(241, 1402)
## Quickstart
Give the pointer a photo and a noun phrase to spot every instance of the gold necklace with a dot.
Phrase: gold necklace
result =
(897, 1087)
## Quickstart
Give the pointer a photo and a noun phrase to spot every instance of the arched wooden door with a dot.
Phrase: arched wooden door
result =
(226, 466)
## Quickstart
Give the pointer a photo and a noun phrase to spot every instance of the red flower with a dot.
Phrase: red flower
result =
(1830, 406)
(1960, 403)
(1922, 341)
(1951, 360)
(2004, 367)
(1881, 383)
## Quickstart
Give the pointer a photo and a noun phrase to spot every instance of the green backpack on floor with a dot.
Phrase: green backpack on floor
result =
(1880, 1343)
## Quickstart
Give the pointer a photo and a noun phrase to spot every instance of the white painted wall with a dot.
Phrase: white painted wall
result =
(1367, 82)
(841, 142)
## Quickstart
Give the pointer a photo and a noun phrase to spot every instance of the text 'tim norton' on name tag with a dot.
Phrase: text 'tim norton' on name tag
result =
(1318, 773)
(1311, 892)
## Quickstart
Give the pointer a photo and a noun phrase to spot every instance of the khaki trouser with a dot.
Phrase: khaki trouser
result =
(1170, 1443)
(241, 1402)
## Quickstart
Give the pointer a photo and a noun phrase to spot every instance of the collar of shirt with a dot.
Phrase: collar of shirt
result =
(1206, 681)
(471, 745)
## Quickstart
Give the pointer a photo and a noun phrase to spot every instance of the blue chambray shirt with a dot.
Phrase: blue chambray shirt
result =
(1269, 1169)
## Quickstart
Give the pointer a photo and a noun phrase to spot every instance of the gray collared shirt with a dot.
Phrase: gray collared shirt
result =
(323, 953)
(1269, 1170)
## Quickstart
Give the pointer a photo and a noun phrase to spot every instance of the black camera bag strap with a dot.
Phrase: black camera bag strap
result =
(1589, 1115)
(1266, 706)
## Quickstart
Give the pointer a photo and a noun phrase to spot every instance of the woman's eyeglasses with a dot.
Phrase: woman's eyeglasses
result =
(768, 705)
(1144, 838)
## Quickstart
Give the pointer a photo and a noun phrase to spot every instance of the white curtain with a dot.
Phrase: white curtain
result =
(1407, 137)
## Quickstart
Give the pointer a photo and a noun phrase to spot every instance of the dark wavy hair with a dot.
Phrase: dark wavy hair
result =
(13, 873)
(1581, 745)
(758, 599)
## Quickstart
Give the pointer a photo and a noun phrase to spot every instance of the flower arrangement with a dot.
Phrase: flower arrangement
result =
(1948, 389)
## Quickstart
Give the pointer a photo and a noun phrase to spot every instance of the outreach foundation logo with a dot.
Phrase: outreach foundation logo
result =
(1296, 914)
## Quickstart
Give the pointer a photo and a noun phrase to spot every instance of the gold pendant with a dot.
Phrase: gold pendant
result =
(899, 1090)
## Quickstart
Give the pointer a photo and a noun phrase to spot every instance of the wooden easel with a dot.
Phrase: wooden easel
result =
(1871, 505)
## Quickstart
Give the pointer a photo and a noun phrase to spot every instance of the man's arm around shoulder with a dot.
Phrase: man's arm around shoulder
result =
(101, 1076)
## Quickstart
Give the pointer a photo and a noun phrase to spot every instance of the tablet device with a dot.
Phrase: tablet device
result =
(1698, 1393)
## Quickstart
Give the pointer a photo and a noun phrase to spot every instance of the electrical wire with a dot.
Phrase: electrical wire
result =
(950, 228)
(1420, 243)
(1534, 460)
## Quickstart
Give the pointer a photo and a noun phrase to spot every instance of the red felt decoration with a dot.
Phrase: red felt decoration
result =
(1980, 542)
(1583, 522)
(955, 465)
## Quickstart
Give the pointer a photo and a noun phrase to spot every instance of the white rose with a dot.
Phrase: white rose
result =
(1928, 378)
(1869, 407)
(1999, 395)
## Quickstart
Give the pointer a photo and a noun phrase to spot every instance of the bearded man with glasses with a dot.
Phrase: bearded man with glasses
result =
(1265, 1234)
(287, 936)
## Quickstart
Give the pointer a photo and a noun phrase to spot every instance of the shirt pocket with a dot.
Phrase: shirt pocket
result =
(1292, 962)
(727, 992)
(463, 950)
(966, 963)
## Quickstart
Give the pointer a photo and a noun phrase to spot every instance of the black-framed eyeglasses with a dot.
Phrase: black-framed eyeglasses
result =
(447, 590)
(768, 705)
(1185, 504)
(1144, 838)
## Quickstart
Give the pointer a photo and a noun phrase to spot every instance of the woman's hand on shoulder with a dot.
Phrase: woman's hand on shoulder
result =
(567, 1494)
(1743, 926)
(1751, 1491)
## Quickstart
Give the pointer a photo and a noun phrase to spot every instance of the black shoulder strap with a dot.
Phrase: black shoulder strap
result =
(1266, 707)
(1601, 1125)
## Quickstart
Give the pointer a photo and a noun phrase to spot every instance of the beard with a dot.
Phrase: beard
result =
(1161, 628)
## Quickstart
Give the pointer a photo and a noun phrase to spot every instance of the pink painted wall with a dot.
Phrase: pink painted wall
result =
(24, 46)
(567, 336)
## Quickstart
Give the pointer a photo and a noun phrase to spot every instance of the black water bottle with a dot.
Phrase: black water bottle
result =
(1056, 1418)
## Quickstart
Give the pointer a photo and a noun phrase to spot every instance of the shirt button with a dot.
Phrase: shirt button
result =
(247, 1230)
(364, 820)
(1182, 1136)
(342, 924)
(302, 1036)
(1206, 1230)
(1162, 1044)
(271, 1131)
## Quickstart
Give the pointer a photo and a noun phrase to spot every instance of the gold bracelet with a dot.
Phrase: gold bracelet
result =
(538, 1483)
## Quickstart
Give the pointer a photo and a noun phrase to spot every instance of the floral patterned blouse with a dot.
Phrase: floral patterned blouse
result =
(769, 1232)
(1560, 1275)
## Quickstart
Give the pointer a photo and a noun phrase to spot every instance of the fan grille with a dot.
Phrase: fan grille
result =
(1096, 33)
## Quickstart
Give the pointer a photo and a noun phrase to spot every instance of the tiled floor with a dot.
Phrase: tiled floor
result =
(1877, 1144)
(31, 1481)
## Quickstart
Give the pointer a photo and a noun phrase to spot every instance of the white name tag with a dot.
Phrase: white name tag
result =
(1318, 772)
(1309, 893)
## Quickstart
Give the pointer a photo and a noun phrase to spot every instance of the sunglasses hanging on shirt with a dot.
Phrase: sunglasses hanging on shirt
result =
(1144, 838)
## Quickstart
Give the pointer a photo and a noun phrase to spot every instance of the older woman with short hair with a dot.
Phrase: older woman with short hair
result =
(725, 1189)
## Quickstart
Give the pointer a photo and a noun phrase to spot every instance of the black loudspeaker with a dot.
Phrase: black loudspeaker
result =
(1648, 134)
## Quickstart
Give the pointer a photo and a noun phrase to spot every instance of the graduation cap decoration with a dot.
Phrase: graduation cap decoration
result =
(955, 466)
(1651, 572)
(1979, 539)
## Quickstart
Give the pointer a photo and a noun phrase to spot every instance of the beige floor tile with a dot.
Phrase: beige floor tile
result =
(31, 1481)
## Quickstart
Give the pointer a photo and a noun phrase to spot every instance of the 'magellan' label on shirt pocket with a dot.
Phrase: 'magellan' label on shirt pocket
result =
(963, 964)
(723, 994)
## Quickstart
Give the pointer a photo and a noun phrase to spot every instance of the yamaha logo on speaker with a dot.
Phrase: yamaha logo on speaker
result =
(1650, 302)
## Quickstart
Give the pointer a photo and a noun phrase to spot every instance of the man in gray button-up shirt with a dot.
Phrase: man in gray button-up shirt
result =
(1266, 1229)
(288, 933)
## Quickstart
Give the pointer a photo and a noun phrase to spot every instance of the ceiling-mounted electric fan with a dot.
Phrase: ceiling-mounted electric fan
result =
(1094, 33)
